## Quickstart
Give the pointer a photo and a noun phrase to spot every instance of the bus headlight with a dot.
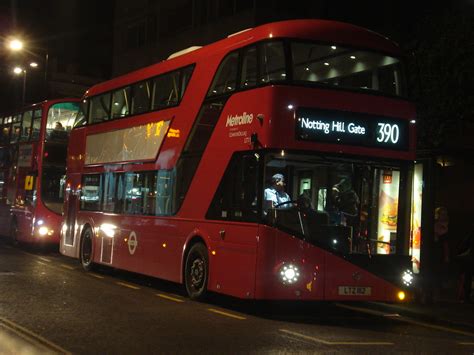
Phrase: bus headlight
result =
(42, 231)
(289, 274)
(407, 278)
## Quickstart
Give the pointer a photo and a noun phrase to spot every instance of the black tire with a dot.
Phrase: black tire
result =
(14, 232)
(196, 272)
(87, 250)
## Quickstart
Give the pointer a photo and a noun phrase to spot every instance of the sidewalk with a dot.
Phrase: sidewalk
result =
(447, 312)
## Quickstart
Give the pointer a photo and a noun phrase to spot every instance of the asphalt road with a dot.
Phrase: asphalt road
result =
(48, 304)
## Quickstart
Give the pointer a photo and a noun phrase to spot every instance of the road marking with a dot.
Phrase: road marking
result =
(406, 320)
(96, 276)
(169, 298)
(226, 314)
(44, 259)
(41, 263)
(326, 342)
(465, 343)
(67, 267)
(31, 337)
(127, 285)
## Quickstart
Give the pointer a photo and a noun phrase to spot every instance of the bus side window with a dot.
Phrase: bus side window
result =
(36, 125)
(236, 198)
(27, 121)
(226, 76)
(185, 77)
(272, 62)
(99, 108)
(90, 192)
(121, 102)
(165, 90)
(249, 68)
(141, 97)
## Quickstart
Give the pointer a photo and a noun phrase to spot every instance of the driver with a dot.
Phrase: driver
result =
(275, 195)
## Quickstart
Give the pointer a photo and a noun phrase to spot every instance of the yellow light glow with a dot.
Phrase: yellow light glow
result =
(213, 252)
(43, 230)
(164, 245)
(401, 295)
(173, 133)
(15, 45)
(108, 229)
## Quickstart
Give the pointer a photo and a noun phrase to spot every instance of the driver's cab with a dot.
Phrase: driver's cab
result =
(345, 205)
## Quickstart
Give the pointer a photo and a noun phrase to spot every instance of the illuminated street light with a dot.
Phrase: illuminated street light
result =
(34, 65)
(18, 70)
(15, 45)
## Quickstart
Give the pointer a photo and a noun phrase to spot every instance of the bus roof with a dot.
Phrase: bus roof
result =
(315, 30)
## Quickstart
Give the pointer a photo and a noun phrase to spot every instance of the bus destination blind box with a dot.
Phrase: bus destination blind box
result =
(342, 127)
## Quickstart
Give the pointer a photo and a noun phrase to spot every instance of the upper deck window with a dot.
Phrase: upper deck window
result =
(272, 62)
(121, 102)
(346, 68)
(99, 108)
(161, 92)
(166, 90)
(61, 118)
(226, 77)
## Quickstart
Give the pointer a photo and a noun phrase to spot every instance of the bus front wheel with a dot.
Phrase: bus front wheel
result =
(86, 250)
(196, 272)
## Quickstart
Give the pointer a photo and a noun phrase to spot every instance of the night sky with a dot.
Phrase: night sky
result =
(78, 33)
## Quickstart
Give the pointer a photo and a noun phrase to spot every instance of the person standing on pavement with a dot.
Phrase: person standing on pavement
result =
(465, 258)
(440, 256)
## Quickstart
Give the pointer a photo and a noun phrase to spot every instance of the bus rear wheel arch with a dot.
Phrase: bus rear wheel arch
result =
(196, 271)
(86, 251)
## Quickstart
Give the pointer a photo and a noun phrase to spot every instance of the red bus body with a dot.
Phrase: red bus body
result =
(25, 202)
(244, 257)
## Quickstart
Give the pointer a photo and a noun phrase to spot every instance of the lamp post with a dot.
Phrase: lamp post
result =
(16, 45)
(18, 71)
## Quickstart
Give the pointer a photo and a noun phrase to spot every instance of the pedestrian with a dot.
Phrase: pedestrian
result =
(439, 259)
(465, 259)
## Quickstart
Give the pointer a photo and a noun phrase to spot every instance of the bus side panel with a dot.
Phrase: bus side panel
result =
(232, 268)
(277, 249)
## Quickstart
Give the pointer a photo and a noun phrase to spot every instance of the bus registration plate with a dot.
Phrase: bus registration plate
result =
(354, 291)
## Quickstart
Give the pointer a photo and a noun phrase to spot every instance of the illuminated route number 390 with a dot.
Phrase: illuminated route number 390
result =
(388, 133)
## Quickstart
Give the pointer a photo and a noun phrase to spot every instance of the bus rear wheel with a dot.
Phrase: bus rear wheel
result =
(86, 250)
(196, 272)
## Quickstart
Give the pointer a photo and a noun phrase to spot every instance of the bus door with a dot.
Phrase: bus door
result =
(70, 213)
(234, 209)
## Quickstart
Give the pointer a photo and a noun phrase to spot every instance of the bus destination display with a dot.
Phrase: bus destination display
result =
(353, 128)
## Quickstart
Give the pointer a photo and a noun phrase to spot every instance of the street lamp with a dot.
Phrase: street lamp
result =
(17, 45)
(19, 71)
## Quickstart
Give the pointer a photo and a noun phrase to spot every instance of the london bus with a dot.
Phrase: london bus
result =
(33, 148)
(168, 168)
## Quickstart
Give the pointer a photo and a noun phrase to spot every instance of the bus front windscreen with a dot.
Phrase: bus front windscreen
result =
(61, 119)
(346, 68)
(348, 206)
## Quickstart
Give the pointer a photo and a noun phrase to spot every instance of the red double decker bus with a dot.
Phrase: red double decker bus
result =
(33, 148)
(177, 169)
